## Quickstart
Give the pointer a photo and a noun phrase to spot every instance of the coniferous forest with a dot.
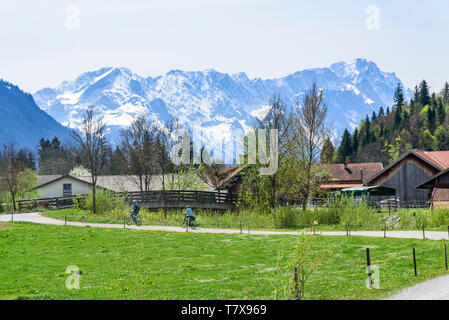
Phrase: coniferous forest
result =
(422, 123)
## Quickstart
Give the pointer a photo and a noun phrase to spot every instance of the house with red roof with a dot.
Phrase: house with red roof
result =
(407, 174)
(349, 175)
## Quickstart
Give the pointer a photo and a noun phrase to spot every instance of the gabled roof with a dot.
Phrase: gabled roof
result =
(354, 171)
(44, 180)
(428, 184)
(117, 183)
(439, 158)
(436, 159)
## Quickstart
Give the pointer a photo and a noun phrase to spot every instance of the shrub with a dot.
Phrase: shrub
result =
(107, 202)
(440, 217)
(345, 211)
(285, 216)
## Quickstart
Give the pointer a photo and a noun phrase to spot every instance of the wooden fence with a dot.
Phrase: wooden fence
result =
(182, 198)
(149, 199)
(56, 202)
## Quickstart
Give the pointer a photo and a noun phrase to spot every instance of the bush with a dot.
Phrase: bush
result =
(285, 216)
(108, 203)
(440, 217)
(345, 211)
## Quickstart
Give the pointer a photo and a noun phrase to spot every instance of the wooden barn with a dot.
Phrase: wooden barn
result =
(438, 186)
(411, 170)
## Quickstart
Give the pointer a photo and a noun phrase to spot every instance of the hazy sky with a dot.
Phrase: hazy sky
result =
(43, 43)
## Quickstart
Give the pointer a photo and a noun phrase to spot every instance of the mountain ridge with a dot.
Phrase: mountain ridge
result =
(214, 101)
(22, 122)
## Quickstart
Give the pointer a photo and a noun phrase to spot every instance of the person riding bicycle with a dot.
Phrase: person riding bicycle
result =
(189, 214)
(135, 212)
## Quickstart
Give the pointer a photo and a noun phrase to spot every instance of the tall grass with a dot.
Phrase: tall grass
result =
(338, 214)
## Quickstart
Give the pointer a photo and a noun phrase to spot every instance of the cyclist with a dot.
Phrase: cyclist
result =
(189, 215)
(135, 212)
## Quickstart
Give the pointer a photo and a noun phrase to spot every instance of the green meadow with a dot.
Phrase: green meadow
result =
(137, 264)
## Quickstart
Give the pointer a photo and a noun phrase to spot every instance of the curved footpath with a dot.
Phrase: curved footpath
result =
(36, 217)
(435, 289)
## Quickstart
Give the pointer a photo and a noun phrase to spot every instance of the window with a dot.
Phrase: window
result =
(67, 190)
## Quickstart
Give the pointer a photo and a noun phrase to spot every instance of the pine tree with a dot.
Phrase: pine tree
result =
(433, 99)
(355, 140)
(441, 114)
(424, 96)
(373, 116)
(388, 111)
(381, 112)
(398, 97)
(442, 137)
(327, 152)
(365, 135)
(431, 120)
(397, 117)
(445, 93)
(345, 148)
(398, 103)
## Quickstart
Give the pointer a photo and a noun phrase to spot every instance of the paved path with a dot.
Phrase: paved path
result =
(435, 289)
(36, 217)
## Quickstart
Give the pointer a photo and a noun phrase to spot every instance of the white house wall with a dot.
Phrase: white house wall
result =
(55, 188)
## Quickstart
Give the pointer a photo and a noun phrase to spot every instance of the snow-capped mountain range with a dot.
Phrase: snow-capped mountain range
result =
(217, 102)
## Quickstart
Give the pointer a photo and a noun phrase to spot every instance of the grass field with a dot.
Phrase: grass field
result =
(133, 264)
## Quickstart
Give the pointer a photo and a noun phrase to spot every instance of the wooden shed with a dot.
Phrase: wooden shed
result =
(409, 171)
(438, 185)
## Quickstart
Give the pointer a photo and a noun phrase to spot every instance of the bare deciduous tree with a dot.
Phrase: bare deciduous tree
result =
(277, 118)
(310, 126)
(92, 147)
(140, 147)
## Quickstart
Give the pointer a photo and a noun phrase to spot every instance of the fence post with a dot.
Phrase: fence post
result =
(414, 262)
(368, 263)
(385, 230)
(248, 228)
(448, 232)
(241, 227)
(423, 233)
(124, 223)
(389, 208)
(295, 279)
(65, 219)
(445, 254)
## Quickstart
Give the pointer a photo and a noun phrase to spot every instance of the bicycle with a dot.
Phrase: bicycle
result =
(137, 221)
(188, 222)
